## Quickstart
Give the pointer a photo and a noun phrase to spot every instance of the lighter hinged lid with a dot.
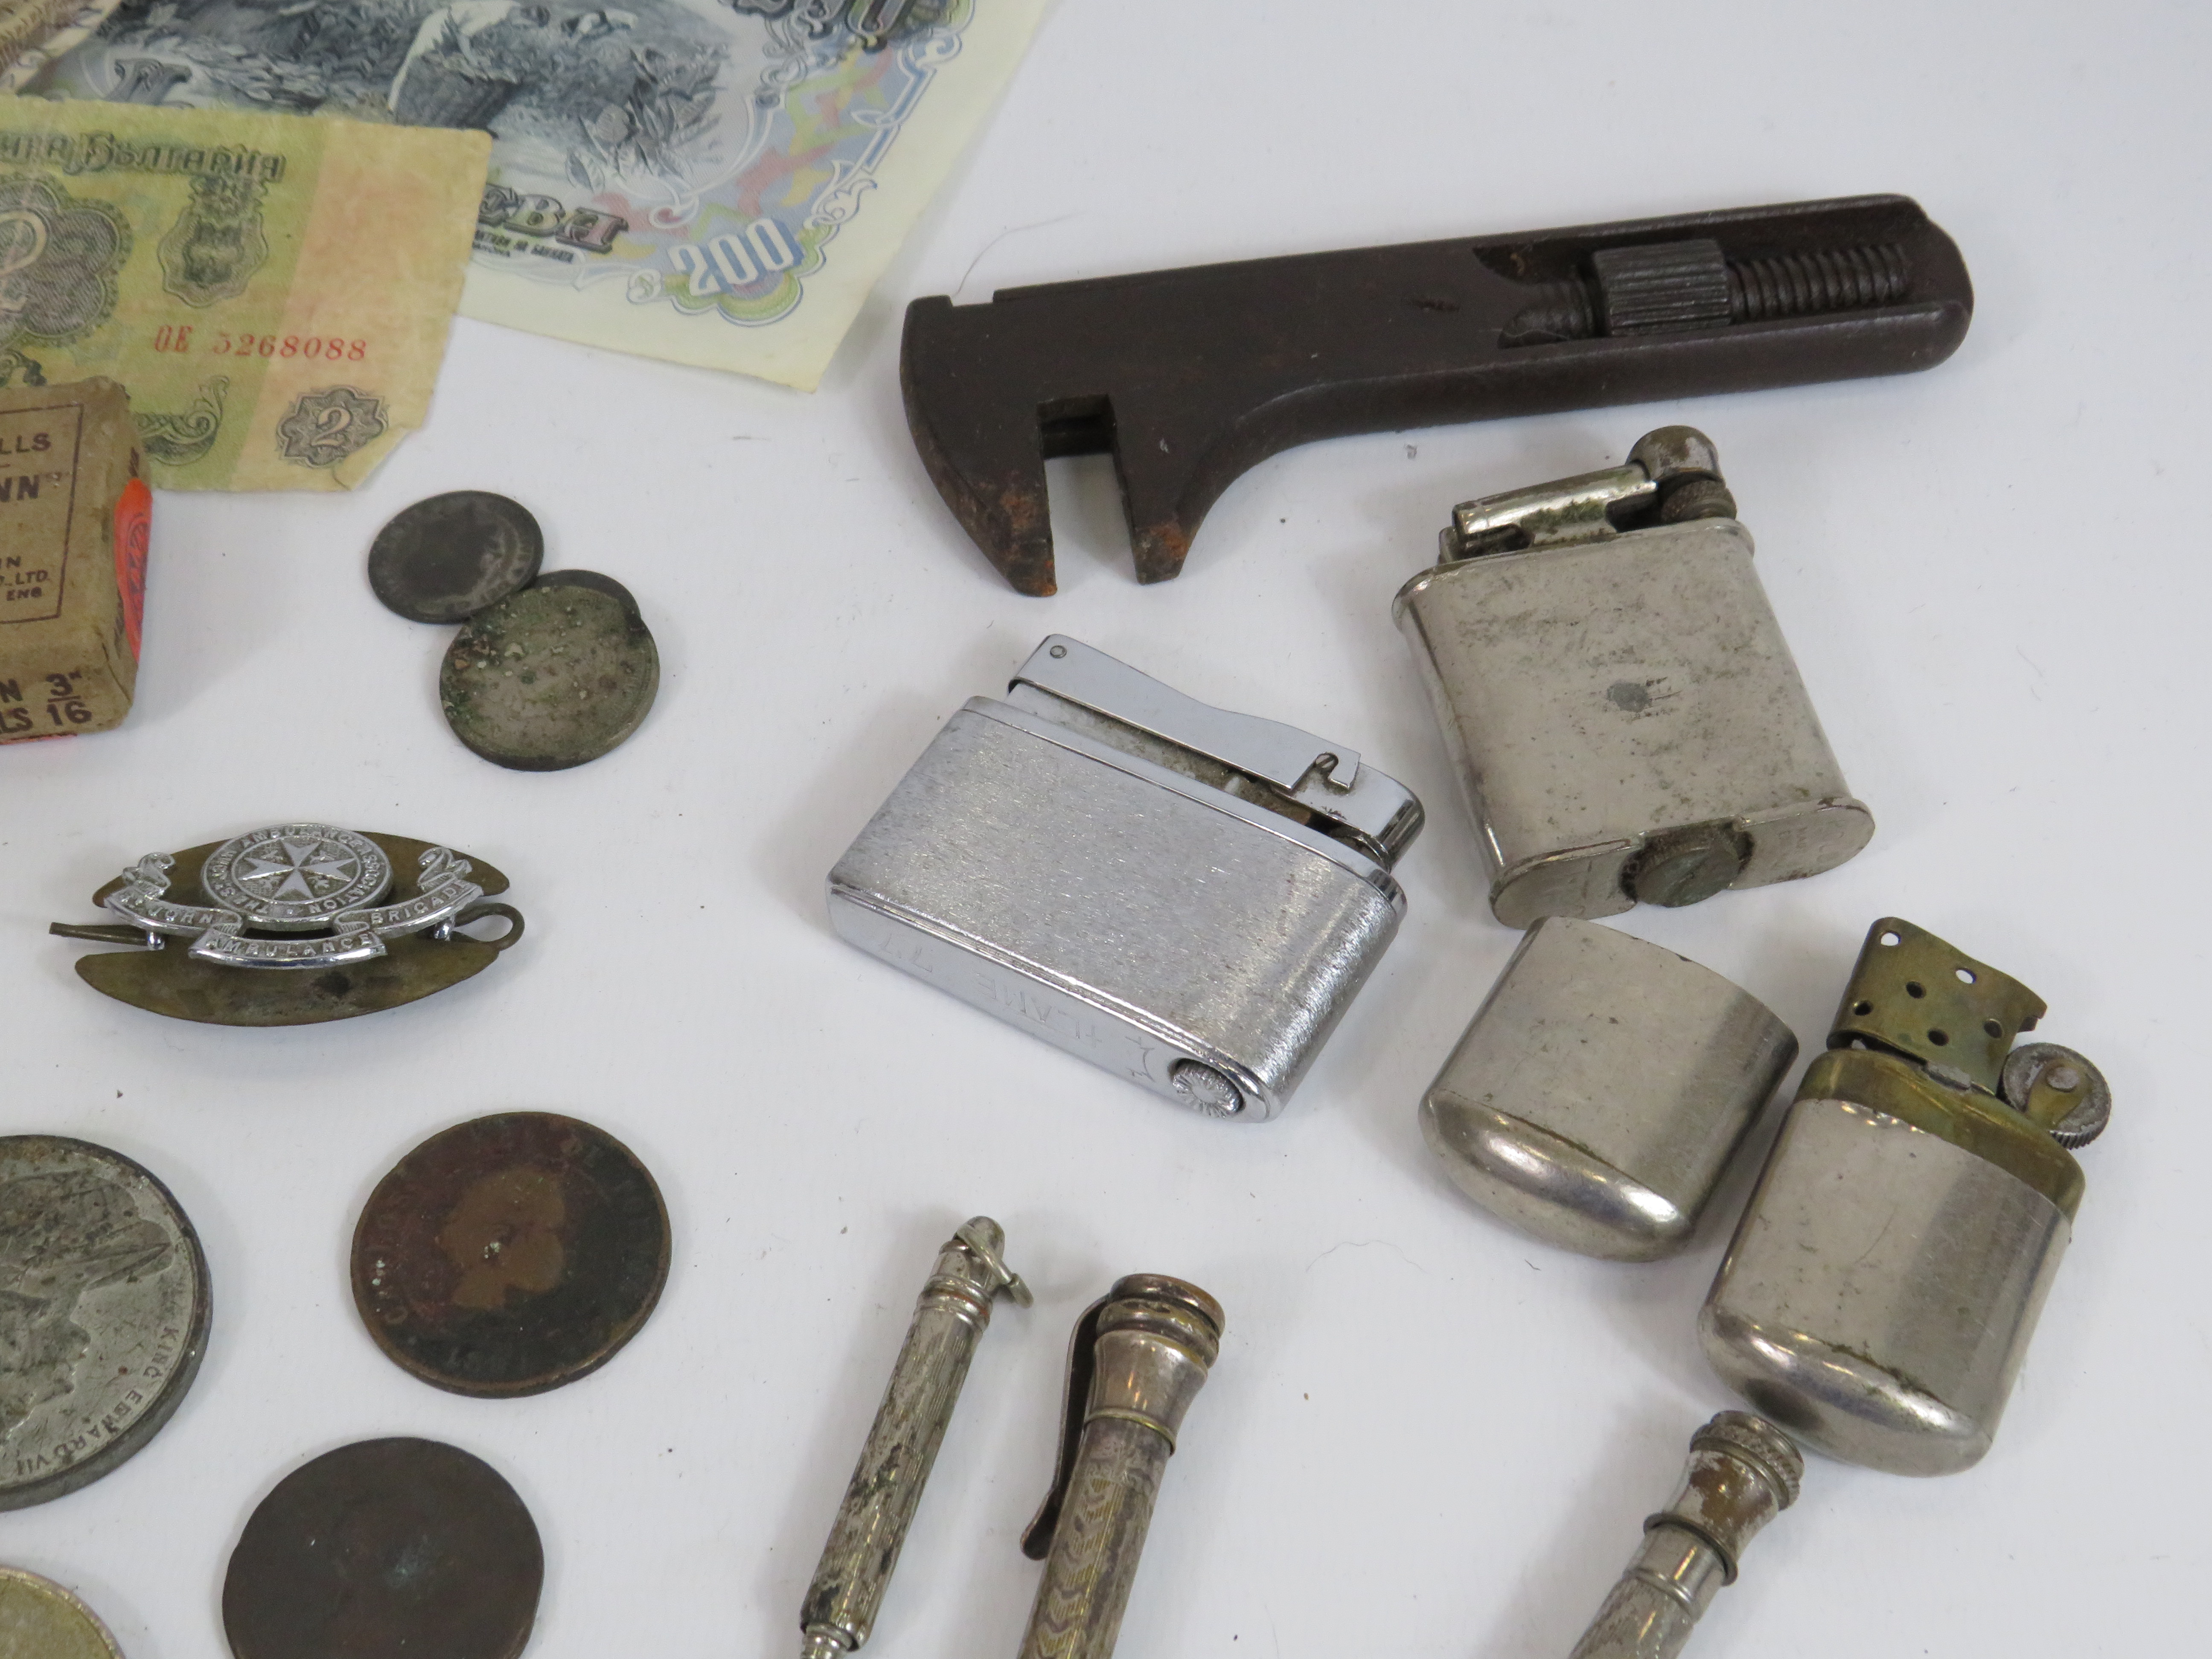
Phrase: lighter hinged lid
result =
(1673, 474)
(1323, 778)
(1916, 995)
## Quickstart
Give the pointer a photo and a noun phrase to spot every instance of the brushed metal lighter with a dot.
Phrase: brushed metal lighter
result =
(1187, 897)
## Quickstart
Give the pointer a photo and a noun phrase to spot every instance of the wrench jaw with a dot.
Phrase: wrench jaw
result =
(1160, 550)
(1173, 456)
(985, 417)
(1152, 479)
(982, 450)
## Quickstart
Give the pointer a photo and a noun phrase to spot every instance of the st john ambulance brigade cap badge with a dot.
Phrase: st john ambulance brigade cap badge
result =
(311, 898)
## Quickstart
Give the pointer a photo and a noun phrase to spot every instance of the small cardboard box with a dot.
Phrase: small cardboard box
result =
(73, 520)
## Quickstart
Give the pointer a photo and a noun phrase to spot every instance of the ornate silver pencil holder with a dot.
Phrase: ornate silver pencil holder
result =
(1629, 723)
(950, 1318)
(1139, 1355)
(1187, 897)
(1742, 1472)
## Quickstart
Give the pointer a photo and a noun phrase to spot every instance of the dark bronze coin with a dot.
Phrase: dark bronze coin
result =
(511, 1255)
(382, 1549)
(551, 676)
(444, 559)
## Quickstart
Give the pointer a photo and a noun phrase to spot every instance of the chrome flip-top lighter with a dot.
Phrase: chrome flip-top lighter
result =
(1625, 712)
(1187, 897)
(1888, 1271)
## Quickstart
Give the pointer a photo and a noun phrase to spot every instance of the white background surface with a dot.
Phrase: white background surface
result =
(1425, 1435)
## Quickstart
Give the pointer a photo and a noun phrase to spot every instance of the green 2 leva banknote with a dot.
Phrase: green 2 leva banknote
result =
(274, 292)
(711, 181)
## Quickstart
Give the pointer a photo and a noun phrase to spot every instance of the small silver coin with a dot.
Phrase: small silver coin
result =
(446, 558)
(294, 877)
(103, 1313)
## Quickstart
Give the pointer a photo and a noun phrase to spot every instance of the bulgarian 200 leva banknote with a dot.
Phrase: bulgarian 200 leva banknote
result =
(275, 291)
(712, 181)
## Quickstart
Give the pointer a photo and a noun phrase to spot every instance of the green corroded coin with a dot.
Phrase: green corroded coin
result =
(551, 676)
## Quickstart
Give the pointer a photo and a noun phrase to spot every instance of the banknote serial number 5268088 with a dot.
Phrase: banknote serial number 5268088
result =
(178, 337)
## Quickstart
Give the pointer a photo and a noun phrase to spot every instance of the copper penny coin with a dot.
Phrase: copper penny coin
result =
(385, 1548)
(510, 1254)
(446, 558)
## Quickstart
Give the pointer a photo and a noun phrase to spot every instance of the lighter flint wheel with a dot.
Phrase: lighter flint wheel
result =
(1206, 1089)
(2026, 1066)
